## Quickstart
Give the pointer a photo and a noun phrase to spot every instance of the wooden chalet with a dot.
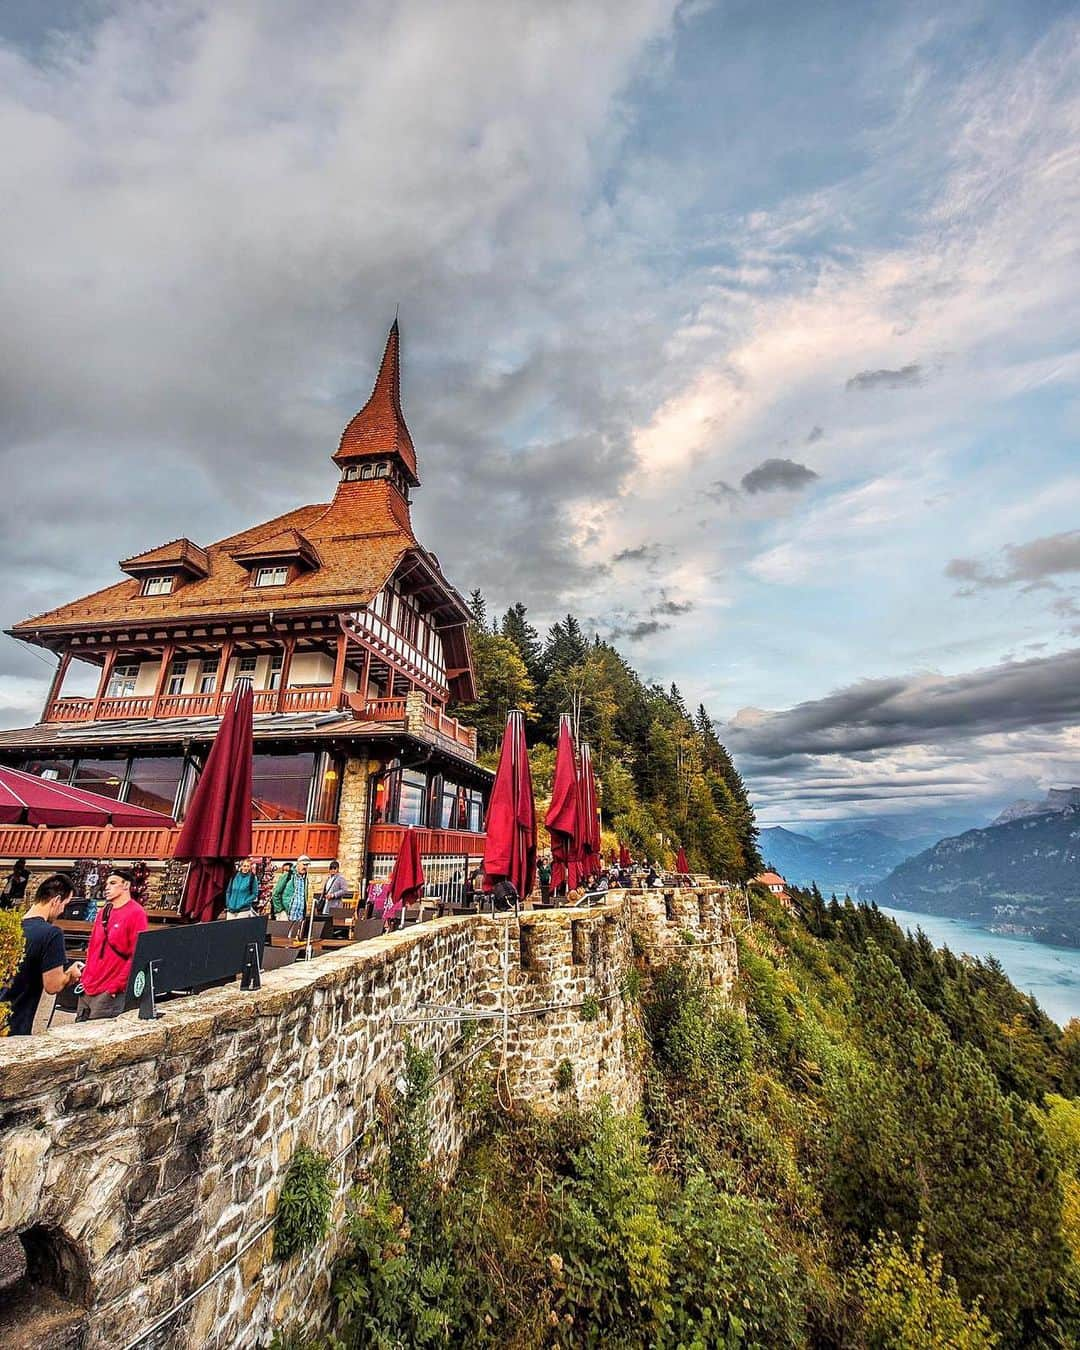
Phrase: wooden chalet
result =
(356, 644)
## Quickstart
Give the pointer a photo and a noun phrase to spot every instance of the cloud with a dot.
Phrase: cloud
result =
(1028, 565)
(636, 631)
(642, 553)
(672, 607)
(816, 433)
(722, 492)
(886, 379)
(778, 475)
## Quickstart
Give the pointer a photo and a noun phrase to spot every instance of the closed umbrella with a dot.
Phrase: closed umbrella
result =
(217, 827)
(26, 799)
(562, 817)
(681, 865)
(589, 823)
(406, 878)
(510, 846)
(624, 856)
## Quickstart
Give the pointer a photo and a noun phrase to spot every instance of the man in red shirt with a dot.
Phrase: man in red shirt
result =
(111, 949)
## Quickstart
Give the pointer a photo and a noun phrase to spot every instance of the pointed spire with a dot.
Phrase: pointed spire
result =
(378, 430)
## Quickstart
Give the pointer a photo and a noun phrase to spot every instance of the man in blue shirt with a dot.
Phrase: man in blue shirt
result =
(42, 965)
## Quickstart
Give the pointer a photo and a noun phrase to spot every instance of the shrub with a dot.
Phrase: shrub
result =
(11, 953)
(564, 1076)
(302, 1218)
(590, 1008)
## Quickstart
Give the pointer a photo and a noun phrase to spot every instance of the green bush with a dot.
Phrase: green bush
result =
(590, 1008)
(302, 1218)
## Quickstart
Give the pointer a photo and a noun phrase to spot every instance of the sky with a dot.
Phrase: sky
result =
(744, 331)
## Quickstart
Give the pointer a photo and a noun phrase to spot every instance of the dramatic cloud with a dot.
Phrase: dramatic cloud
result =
(634, 632)
(643, 553)
(778, 475)
(886, 379)
(1028, 565)
(672, 607)
(816, 433)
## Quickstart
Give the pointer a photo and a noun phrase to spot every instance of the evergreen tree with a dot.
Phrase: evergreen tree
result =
(525, 638)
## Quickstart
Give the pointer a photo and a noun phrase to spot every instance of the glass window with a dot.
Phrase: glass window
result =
(271, 576)
(274, 679)
(177, 676)
(103, 776)
(281, 785)
(157, 586)
(455, 808)
(59, 770)
(367, 471)
(245, 668)
(476, 811)
(207, 676)
(410, 809)
(325, 803)
(122, 681)
(153, 780)
(408, 622)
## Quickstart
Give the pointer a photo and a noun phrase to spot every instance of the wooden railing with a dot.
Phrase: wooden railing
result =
(318, 698)
(387, 839)
(275, 839)
(378, 709)
(450, 727)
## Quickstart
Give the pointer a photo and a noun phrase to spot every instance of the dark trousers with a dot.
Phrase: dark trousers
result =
(93, 1007)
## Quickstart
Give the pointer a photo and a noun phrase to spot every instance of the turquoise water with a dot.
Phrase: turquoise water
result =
(1050, 974)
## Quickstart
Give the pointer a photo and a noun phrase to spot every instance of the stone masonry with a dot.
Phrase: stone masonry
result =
(141, 1160)
(352, 820)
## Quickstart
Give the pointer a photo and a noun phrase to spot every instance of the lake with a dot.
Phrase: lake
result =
(1049, 974)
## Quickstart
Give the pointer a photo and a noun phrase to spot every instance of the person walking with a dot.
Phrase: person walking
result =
(279, 904)
(335, 891)
(111, 949)
(242, 892)
(42, 966)
(291, 891)
(543, 876)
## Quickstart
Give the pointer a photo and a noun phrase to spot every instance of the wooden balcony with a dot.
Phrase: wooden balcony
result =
(309, 698)
(462, 843)
(275, 839)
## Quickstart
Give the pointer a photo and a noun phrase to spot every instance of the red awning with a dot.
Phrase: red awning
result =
(26, 799)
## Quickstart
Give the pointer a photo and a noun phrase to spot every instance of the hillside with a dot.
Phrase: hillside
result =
(665, 779)
(765, 1196)
(1023, 875)
(842, 862)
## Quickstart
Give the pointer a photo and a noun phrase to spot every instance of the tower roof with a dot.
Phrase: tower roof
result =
(379, 429)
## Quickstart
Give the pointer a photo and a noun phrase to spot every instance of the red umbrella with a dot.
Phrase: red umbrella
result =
(681, 865)
(26, 799)
(510, 847)
(624, 856)
(562, 817)
(589, 839)
(407, 876)
(217, 827)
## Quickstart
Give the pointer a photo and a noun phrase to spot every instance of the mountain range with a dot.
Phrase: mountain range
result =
(1019, 876)
(842, 861)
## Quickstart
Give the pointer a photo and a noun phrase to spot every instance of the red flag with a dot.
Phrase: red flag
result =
(217, 827)
(562, 817)
(510, 846)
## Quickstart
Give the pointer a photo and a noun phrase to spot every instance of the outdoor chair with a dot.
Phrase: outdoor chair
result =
(367, 928)
(276, 957)
(67, 1000)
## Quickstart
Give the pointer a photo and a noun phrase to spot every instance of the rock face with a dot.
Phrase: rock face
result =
(1056, 800)
(141, 1161)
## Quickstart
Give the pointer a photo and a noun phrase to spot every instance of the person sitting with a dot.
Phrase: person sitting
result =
(504, 895)
(111, 949)
(42, 966)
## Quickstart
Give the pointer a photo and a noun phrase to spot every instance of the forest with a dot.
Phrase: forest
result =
(875, 1146)
(664, 777)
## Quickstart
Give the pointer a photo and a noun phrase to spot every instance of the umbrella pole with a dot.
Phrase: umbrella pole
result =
(310, 924)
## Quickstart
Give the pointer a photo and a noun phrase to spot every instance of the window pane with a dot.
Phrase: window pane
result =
(411, 799)
(153, 780)
(103, 776)
(280, 785)
(326, 791)
(59, 770)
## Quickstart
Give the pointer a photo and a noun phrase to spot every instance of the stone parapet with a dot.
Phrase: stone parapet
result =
(147, 1157)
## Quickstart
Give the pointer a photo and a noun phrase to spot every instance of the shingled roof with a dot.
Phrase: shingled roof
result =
(350, 547)
(379, 429)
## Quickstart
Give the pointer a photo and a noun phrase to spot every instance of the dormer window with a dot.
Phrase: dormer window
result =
(159, 585)
(271, 576)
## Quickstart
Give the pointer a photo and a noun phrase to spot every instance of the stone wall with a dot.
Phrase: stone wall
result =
(143, 1158)
(352, 820)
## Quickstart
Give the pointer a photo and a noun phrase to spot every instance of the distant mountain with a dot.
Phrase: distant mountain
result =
(1057, 799)
(1022, 876)
(843, 861)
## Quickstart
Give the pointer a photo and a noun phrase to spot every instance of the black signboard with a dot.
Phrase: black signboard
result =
(187, 957)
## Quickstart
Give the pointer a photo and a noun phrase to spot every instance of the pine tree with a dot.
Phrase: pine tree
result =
(525, 637)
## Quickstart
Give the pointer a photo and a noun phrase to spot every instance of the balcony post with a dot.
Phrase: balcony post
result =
(57, 683)
(103, 684)
(222, 671)
(339, 669)
(167, 654)
(286, 671)
(366, 675)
